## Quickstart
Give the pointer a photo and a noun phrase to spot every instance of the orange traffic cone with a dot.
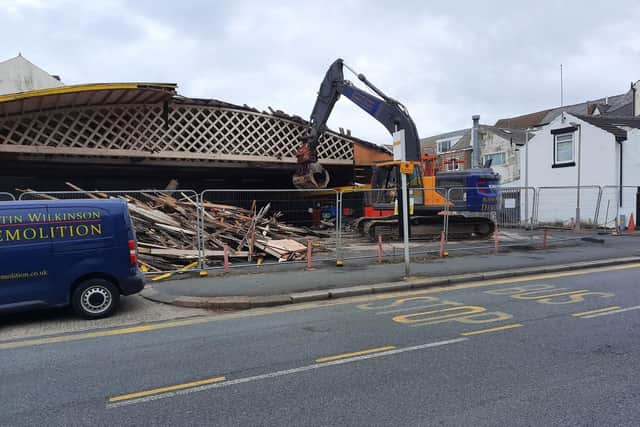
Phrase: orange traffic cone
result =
(632, 224)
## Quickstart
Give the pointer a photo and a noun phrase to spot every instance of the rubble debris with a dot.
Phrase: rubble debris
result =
(166, 225)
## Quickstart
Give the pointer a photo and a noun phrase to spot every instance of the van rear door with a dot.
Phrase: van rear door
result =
(25, 256)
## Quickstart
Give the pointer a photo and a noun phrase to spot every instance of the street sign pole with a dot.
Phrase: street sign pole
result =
(398, 141)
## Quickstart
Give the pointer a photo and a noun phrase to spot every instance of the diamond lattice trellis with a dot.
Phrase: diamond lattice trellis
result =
(193, 132)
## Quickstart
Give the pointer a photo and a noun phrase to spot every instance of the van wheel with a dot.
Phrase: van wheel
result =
(95, 298)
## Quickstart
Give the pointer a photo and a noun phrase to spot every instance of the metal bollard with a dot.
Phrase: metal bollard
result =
(309, 265)
(379, 249)
(496, 237)
(226, 258)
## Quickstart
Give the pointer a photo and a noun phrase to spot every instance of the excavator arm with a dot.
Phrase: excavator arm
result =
(389, 112)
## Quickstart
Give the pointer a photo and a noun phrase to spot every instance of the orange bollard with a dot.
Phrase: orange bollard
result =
(226, 258)
(632, 224)
(309, 265)
(441, 244)
(544, 239)
(379, 248)
(496, 237)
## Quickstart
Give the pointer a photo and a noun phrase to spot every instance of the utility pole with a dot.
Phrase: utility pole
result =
(561, 88)
(474, 142)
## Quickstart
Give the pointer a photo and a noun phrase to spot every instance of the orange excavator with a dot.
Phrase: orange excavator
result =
(427, 186)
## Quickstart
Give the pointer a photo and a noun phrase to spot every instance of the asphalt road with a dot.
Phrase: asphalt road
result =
(559, 349)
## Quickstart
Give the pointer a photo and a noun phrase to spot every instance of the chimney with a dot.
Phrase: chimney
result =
(635, 89)
(475, 163)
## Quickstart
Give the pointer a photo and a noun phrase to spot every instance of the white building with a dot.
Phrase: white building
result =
(586, 151)
(19, 75)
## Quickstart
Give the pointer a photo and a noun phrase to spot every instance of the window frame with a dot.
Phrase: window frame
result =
(439, 146)
(504, 156)
(562, 132)
(555, 148)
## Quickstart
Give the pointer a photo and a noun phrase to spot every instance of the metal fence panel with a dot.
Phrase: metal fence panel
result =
(263, 227)
(6, 197)
(617, 204)
(361, 240)
(166, 223)
(560, 206)
(515, 206)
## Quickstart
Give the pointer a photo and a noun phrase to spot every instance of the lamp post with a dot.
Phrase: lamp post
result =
(526, 174)
(577, 125)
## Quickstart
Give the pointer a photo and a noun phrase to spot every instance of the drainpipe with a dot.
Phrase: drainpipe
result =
(474, 142)
(620, 190)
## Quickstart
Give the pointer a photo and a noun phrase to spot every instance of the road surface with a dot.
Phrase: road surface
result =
(556, 349)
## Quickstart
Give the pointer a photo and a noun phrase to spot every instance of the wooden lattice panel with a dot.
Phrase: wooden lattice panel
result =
(193, 132)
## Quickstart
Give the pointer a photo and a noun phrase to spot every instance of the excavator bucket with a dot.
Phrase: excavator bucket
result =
(315, 177)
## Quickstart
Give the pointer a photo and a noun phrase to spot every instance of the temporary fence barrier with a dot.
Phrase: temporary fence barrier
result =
(617, 204)
(6, 197)
(510, 209)
(358, 241)
(569, 207)
(167, 225)
(264, 224)
(224, 229)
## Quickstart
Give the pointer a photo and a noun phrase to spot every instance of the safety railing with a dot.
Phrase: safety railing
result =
(6, 197)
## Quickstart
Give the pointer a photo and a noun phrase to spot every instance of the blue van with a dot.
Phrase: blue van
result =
(61, 252)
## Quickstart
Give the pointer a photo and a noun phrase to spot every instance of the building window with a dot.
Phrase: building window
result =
(453, 165)
(563, 148)
(497, 159)
(444, 146)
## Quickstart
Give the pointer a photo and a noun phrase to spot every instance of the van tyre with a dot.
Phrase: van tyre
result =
(95, 298)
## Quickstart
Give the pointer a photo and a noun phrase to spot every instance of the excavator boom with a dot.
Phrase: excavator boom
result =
(389, 112)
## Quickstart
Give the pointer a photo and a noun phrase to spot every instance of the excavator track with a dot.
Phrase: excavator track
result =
(427, 227)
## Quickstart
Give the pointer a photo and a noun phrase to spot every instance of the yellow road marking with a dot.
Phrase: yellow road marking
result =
(300, 307)
(355, 353)
(601, 310)
(98, 334)
(499, 328)
(166, 389)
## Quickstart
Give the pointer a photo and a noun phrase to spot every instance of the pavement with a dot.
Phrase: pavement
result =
(133, 310)
(251, 290)
(554, 350)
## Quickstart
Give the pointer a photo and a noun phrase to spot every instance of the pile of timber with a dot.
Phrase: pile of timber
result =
(166, 225)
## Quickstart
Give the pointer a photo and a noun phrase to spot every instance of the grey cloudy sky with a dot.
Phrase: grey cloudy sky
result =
(444, 60)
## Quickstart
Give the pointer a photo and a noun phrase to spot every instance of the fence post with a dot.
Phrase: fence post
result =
(496, 237)
(226, 258)
(596, 218)
(339, 255)
(446, 215)
(309, 265)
